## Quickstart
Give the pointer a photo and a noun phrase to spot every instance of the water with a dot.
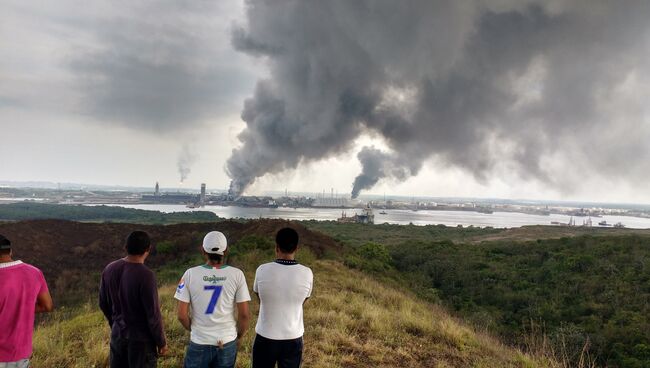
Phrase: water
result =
(20, 199)
(400, 217)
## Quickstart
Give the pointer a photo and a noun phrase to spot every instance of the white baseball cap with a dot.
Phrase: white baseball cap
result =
(215, 242)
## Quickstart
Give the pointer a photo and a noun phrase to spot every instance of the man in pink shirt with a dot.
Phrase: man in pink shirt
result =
(23, 292)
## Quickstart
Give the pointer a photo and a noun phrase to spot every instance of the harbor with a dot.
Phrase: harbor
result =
(497, 219)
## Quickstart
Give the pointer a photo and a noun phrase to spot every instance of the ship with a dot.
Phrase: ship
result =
(366, 217)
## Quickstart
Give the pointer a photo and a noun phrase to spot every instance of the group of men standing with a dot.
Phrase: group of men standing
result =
(212, 304)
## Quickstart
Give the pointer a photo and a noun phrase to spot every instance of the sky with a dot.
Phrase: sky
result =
(486, 98)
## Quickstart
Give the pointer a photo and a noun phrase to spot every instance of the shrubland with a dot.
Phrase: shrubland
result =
(584, 298)
(33, 211)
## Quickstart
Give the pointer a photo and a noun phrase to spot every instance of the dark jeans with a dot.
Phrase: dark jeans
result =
(210, 356)
(267, 352)
(133, 354)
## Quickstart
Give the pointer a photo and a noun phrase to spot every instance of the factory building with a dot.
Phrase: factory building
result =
(170, 198)
(331, 202)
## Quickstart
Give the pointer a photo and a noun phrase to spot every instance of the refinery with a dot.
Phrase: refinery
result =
(361, 210)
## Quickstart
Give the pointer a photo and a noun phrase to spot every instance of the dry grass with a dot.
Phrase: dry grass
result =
(351, 321)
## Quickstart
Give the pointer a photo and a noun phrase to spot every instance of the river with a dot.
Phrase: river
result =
(400, 217)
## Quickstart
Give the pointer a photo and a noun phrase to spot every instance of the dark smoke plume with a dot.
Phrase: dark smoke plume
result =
(377, 164)
(526, 86)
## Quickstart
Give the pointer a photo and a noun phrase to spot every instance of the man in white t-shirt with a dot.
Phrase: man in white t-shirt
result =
(283, 286)
(218, 297)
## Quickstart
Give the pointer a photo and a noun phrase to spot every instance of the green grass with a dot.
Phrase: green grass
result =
(352, 320)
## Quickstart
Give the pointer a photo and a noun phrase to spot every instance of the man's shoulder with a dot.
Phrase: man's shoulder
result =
(234, 270)
(284, 268)
(265, 266)
(303, 267)
(202, 269)
(195, 269)
(305, 270)
(114, 264)
(26, 267)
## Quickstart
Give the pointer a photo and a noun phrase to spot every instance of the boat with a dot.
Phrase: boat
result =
(383, 213)
(604, 223)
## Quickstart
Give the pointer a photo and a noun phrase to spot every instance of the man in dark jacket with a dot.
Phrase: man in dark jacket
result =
(128, 296)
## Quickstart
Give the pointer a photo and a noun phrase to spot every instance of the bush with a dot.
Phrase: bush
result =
(166, 247)
(370, 257)
(252, 243)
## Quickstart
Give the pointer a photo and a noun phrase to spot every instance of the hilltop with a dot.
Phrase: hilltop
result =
(71, 254)
(353, 320)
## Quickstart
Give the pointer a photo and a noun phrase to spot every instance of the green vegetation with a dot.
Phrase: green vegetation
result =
(166, 247)
(574, 295)
(352, 320)
(583, 290)
(577, 296)
(38, 211)
(356, 235)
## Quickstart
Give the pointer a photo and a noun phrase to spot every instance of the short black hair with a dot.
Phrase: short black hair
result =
(5, 245)
(137, 243)
(287, 240)
(215, 257)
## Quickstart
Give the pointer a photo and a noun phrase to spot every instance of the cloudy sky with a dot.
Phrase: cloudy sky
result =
(486, 98)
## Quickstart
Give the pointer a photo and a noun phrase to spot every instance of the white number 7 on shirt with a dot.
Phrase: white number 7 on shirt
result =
(216, 291)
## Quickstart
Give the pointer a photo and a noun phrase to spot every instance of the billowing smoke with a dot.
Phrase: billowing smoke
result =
(186, 158)
(377, 164)
(529, 86)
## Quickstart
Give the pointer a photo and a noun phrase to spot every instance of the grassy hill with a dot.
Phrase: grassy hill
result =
(576, 290)
(352, 320)
(376, 300)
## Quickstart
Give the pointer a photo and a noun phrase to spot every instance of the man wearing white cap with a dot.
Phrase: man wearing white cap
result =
(219, 316)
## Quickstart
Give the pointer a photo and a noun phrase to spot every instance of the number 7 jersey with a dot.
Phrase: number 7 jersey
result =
(213, 294)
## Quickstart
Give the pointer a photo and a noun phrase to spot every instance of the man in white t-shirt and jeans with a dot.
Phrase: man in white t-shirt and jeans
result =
(283, 286)
(218, 297)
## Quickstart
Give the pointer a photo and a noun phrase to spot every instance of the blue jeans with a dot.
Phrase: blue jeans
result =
(210, 356)
(23, 363)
